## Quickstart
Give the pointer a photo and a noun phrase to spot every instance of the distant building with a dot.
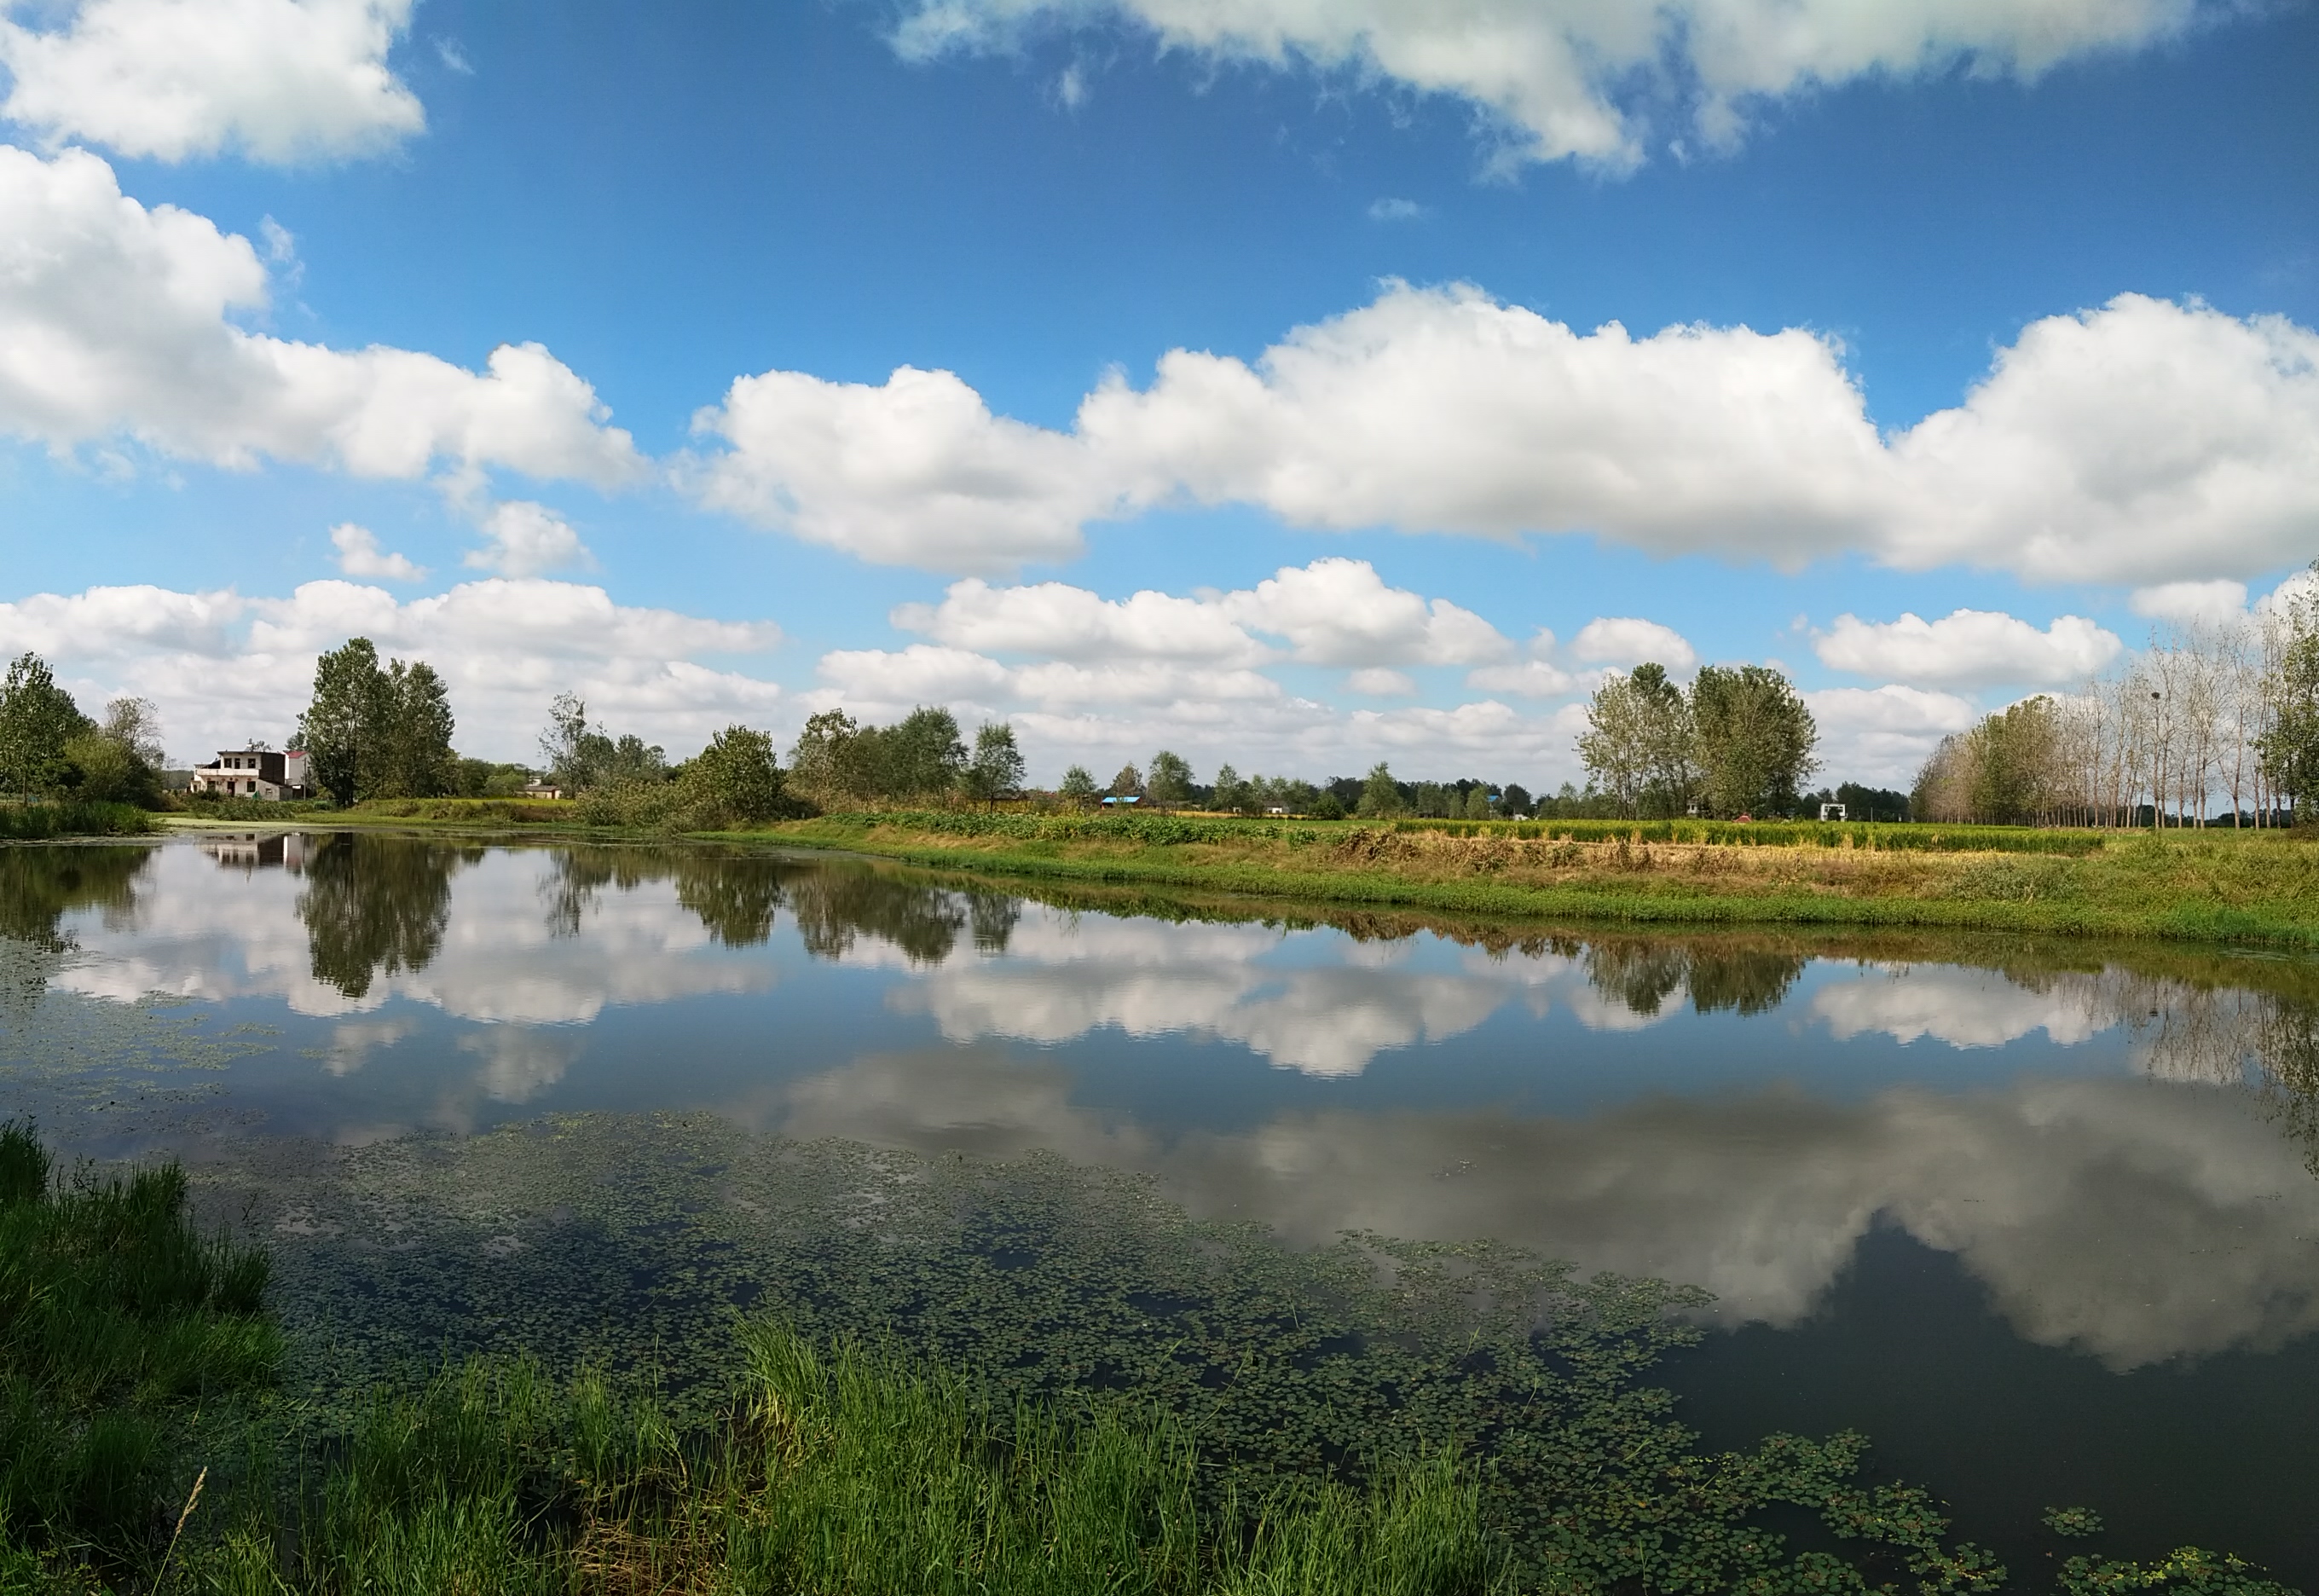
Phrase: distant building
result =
(1833, 812)
(253, 772)
(1127, 799)
(542, 790)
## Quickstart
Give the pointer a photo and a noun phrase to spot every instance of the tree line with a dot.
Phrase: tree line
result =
(2212, 724)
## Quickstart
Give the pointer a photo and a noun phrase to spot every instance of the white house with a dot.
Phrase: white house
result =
(254, 772)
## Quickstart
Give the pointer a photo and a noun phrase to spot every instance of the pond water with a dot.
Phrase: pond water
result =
(2039, 1218)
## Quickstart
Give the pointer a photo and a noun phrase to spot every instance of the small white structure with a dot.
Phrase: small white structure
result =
(254, 772)
(1833, 812)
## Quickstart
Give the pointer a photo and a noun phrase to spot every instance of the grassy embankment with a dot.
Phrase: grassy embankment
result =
(2217, 885)
(2211, 886)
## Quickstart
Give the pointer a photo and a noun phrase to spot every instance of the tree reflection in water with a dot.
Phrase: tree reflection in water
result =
(376, 907)
(738, 895)
(41, 882)
(1642, 973)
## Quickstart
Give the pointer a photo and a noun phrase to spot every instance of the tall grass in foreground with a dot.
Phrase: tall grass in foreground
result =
(838, 1469)
(113, 1313)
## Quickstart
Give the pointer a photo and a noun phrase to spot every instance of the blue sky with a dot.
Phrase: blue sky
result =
(1351, 550)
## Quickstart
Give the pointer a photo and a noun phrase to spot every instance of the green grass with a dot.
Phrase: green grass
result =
(35, 822)
(116, 1319)
(2212, 886)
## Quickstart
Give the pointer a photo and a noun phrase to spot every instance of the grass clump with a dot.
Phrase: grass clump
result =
(35, 822)
(117, 1319)
(834, 1468)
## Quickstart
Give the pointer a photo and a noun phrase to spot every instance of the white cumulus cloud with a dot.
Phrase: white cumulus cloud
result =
(917, 472)
(1883, 734)
(1627, 640)
(2144, 442)
(1530, 678)
(1979, 647)
(2192, 601)
(524, 539)
(223, 667)
(116, 320)
(277, 80)
(1341, 612)
(1065, 622)
(1575, 78)
(360, 555)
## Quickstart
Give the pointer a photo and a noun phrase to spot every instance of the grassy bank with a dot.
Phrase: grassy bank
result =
(2252, 887)
(35, 822)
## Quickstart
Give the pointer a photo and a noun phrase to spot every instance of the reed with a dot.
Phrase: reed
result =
(35, 822)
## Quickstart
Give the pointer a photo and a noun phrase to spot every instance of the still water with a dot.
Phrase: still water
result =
(2039, 1218)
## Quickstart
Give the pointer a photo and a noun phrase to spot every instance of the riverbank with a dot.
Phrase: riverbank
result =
(2252, 887)
(2248, 888)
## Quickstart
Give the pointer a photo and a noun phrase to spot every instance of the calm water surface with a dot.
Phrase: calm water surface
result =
(2039, 1218)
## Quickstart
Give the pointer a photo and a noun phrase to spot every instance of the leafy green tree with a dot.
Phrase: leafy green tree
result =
(413, 743)
(924, 756)
(1871, 803)
(1641, 741)
(822, 761)
(1078, 788)
(581, 756)
(1614, 745)
(119, 761)
(2289, 750)
(735, 778)
(37, 719)
(1128, 783)
(342, 723)
(1477, 804)
(1169, 783)
(375, 731)
(1756, 739)
(1514, 799)
(1381, 796)
(997, 768)
(1233, 795)
(483, 777)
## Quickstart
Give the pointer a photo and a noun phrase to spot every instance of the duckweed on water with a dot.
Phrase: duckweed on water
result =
(1080, 1295)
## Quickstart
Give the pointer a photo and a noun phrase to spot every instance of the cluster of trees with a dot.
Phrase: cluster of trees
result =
(374, 731)
(622, 779)
(2210, 723)
(1739, 742)
(837, 761)
(50, 750)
